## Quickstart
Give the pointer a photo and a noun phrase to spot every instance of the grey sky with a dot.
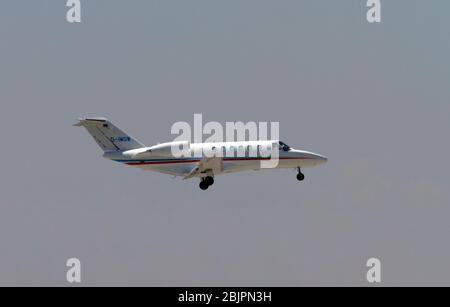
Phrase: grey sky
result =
(375, 99)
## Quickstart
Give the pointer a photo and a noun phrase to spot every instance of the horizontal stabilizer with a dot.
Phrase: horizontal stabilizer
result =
(108, 136)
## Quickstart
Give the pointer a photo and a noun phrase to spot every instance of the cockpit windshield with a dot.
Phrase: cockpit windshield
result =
(284, 146)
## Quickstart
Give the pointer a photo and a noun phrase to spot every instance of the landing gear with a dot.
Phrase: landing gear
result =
(209, 180)
(300, 175)
(206, 182)
(203, 185)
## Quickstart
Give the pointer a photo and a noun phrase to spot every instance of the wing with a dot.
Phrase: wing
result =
(208, 166)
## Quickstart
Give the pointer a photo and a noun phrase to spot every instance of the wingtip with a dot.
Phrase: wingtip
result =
(78, 124)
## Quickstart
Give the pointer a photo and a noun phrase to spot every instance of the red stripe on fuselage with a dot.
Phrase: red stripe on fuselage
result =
(224, 159)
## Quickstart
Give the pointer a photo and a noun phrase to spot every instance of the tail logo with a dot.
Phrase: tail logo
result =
(121, 139)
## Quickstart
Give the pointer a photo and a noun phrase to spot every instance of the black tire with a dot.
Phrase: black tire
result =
(203, 185)
(300, 177)
(209, 180)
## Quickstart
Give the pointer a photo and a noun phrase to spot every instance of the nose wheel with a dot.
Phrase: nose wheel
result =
(206, 182)
(300, 175)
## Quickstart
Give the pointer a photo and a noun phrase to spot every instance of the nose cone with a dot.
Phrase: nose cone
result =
(318, 159)
(321, 159)
(314, 158)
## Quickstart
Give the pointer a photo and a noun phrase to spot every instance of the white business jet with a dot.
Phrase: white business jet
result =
(120, 147)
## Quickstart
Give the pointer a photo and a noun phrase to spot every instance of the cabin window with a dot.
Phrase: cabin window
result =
(249, 149)
(232, 151)
(241, 151)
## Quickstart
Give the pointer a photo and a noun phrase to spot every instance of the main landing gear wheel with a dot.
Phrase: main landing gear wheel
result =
(300, 175)
(203, 185)
(209, 180)
(206, 182)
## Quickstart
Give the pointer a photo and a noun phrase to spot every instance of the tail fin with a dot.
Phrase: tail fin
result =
(108, 136)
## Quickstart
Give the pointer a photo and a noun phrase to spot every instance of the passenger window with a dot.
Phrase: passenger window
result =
(232, 151)
(241, 151)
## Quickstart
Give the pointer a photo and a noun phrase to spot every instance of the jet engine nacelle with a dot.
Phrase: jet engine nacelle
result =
(169, 149)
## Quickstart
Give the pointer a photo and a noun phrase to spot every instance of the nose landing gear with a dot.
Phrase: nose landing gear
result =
(300, 175)
(206, 182)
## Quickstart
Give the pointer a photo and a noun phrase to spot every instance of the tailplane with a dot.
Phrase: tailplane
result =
(108, 136)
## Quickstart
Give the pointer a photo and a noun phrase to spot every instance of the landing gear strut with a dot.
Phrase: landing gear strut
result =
(300, 175)
(206, 182)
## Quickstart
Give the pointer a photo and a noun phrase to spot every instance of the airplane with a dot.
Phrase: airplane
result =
(121, 147)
